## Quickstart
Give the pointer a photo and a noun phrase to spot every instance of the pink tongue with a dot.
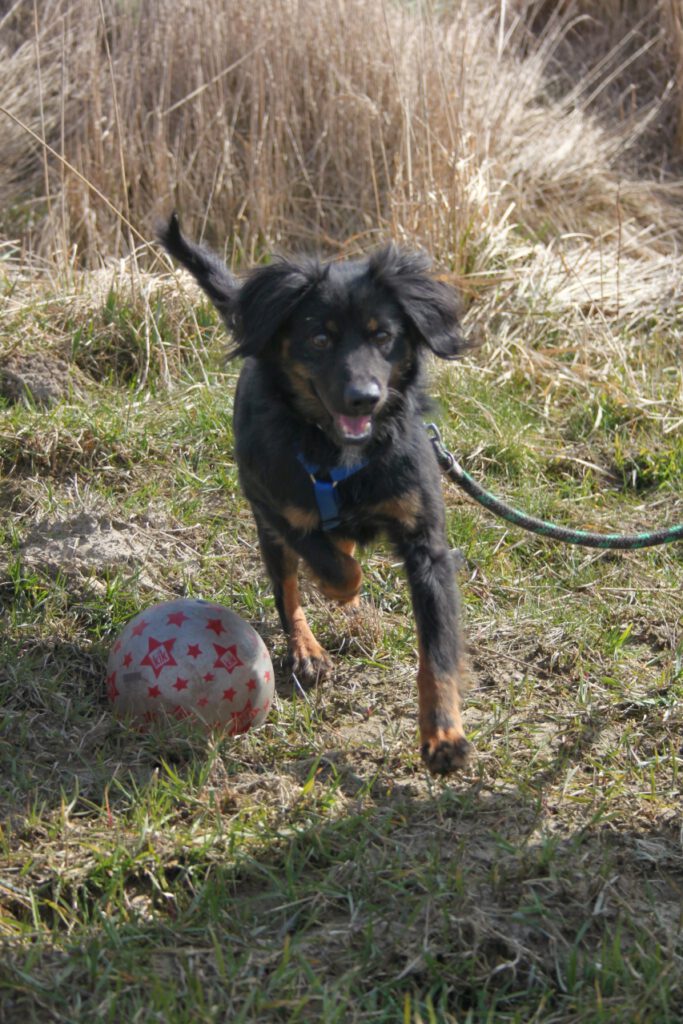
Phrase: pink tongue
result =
(354, 426)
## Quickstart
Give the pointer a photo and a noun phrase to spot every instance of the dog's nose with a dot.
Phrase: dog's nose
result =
(362, 398)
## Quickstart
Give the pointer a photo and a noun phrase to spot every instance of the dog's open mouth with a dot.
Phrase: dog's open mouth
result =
(353, 428)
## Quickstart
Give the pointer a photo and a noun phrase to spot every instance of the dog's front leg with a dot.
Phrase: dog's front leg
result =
(442, 666)
(355, 575)
(336, 571)
(308, 660)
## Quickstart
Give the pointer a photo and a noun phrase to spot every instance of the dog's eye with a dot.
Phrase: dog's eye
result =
(320, 341)
(381, 337)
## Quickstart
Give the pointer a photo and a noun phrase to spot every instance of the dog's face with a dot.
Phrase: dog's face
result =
(347, 336)
(345, 351)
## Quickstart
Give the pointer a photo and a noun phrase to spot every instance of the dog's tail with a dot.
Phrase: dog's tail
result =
(211, 274)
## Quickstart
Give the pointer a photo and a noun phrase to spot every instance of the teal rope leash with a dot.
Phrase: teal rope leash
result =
(606, 541)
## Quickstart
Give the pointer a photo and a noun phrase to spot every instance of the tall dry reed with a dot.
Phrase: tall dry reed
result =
(318, 124)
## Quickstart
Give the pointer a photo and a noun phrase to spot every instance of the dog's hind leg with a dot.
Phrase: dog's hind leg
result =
(308, 660)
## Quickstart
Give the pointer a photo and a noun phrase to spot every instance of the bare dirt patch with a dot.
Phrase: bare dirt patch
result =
(88, 541)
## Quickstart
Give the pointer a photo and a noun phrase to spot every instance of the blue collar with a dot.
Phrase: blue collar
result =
(326, 490)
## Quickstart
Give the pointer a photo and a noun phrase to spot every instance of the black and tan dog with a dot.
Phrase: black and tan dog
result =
(332, 450)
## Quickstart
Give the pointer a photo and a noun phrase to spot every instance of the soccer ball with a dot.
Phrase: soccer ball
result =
(191, 659)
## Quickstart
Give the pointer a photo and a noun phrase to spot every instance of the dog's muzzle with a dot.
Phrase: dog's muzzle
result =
(362, 400)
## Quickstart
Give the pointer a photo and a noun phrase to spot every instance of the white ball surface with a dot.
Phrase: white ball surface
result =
(191, 659)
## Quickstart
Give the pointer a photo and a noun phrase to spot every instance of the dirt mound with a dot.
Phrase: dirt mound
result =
(38, 378)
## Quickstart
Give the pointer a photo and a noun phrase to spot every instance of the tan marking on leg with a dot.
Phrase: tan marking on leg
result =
(349, 589)
(442, 738)
(310, 661)
(301, 518)
(406, 508)
(348, 547)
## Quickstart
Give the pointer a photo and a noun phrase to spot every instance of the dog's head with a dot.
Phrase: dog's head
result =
(347, 337)
(344, 338)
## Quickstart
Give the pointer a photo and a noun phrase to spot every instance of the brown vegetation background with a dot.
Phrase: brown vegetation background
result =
(463, 126)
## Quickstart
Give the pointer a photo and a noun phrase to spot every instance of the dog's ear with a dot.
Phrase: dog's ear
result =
(430, 305)
(266, 301)
(210, 273)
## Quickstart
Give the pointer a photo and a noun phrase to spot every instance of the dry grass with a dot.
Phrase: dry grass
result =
(324, 125)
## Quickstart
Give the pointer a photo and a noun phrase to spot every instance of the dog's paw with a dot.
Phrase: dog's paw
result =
(446, 752)
(309, 667)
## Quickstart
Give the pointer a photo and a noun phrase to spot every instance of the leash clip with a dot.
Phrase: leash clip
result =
(444, 457)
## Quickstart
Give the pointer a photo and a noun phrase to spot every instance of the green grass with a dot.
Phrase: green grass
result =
(313, 871)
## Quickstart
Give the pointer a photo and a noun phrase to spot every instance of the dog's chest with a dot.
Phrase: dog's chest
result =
(358, 506)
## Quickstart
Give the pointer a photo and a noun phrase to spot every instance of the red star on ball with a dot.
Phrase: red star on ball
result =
(226, 657)
(252, 684)
(111, 686)
(202, 702)
(209, 677)
(216, 625)
(229, 694)
(177, 618)
(193, 650)
(241, 720)
(153, 691)
(159, 655)
(180, 684)
(140, 628)
(127, 660)
(181, 712)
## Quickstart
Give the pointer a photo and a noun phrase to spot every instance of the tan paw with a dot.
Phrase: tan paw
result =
(446, 752)
(309, 664)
